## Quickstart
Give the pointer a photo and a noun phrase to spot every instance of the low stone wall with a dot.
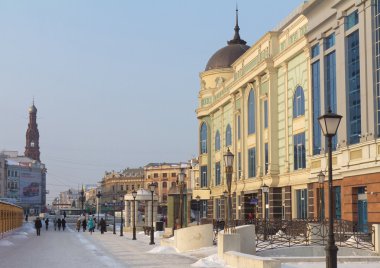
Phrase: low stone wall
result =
(237, 259)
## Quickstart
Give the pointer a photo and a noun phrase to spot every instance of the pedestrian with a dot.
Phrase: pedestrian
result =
(78, 225)
(55, 224)
(84, 224)
(103, 226)
(64, 214)
(63, 224)
(38, 225)
(59, 222)
(47, 223)
(91, 225)
(26, 217)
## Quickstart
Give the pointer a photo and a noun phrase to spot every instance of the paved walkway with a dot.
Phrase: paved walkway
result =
(23, 248)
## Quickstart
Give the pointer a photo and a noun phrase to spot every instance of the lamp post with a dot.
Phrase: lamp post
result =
(265, 190)
(98, 196)
(228, 162)
(180, 183)
(134, 194)
(114, 215)
(152, 186)
(198, 198)
(329, 124)
(321, 179)
(82, 198)
(121, 215)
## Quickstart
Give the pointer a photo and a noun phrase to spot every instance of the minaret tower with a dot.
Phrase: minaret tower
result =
(32, 148)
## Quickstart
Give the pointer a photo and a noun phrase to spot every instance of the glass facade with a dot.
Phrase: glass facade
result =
(353, 80)
(251, 112)
(217, 173)
(298, 103)
(252, 162)
(228, 135)
(299, 151)
(204, 176)
(316, 95)
(217, 141)
(203, 135)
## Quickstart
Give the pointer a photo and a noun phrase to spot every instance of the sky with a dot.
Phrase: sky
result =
(115, 82)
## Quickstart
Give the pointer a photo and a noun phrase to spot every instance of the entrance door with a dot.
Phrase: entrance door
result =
(362, 210)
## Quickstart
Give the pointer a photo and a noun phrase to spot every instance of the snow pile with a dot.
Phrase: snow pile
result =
(5, 243)
(210, 261)
(162, 250)
(158, 233)
(142, 232)
(19, 236)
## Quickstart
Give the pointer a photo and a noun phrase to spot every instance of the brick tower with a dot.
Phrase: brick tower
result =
(32, 148)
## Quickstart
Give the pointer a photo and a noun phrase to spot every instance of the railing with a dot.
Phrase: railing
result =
(11, 217)
(275, 233)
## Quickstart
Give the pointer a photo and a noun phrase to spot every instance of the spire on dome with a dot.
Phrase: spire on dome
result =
(237, 39)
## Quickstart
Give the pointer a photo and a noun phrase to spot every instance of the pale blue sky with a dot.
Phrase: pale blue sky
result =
(115, 82)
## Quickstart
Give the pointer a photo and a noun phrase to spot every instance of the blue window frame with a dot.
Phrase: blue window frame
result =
(266, 158)
(330, 41)
(265, 113)
(217, 173)
(352, 19)
(203, 135)
(204, 182)
(217, 141)
(298, 103)
(301, 196)
(315, 51)
(330, 88)
(252, 162)
(316, 95)
(299, 151)
(251, 112)
(228, 135)
(238, 127)
(353, 67)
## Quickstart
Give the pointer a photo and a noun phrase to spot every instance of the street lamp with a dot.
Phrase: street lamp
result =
(198, 198)
(265, 190)
(329, 124)
(180, 183)
(134, 194)
(98, 195)
(321, 179)
(121, 215)
(82, 198)
(152, 186)
(228, 162)
(114, 215)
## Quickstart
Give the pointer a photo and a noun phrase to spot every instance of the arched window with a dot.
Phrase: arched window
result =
(298, 103)
(251, 112)
(203, 135)
(217, 141)
(228, 135)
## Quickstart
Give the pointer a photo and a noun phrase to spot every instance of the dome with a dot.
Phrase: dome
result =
(32, 109)
(227, 55)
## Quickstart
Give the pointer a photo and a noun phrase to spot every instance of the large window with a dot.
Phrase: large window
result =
(316, 91)
(217, 141)
(330, 87)
(376, 17)
(265, 113)
(298, 103)
(352, 19)
(251, 112)
(299, 151)
(252, 162)
(301, 196)
(203, 138)
(353, 80)
(239, 165)
(266, 158)
(204, 176)
(337, 203)
(330, 41)
(238, 127)
(217, 173)
(228, 135)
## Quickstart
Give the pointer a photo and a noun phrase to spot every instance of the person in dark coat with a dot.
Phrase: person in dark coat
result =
(103, 225)
(63, 224)
(55, 224)
(38, 225)
(84, 224)
(59, 222)
(26, 217)
(47, 223)
(64, 214)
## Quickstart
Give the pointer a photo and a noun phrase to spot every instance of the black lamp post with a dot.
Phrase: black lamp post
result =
(198, 198)
(134, 194)
(265, 190)
(228, 162)
(180, 183)
(321, 179)
(152, 186)
(82, 198)
(98, 196)
(329, 124)
(121, 215)
(114, 215)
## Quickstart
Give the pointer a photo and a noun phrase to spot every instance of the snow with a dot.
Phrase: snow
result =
(163, 250)
(5, 243)
(210, 261)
